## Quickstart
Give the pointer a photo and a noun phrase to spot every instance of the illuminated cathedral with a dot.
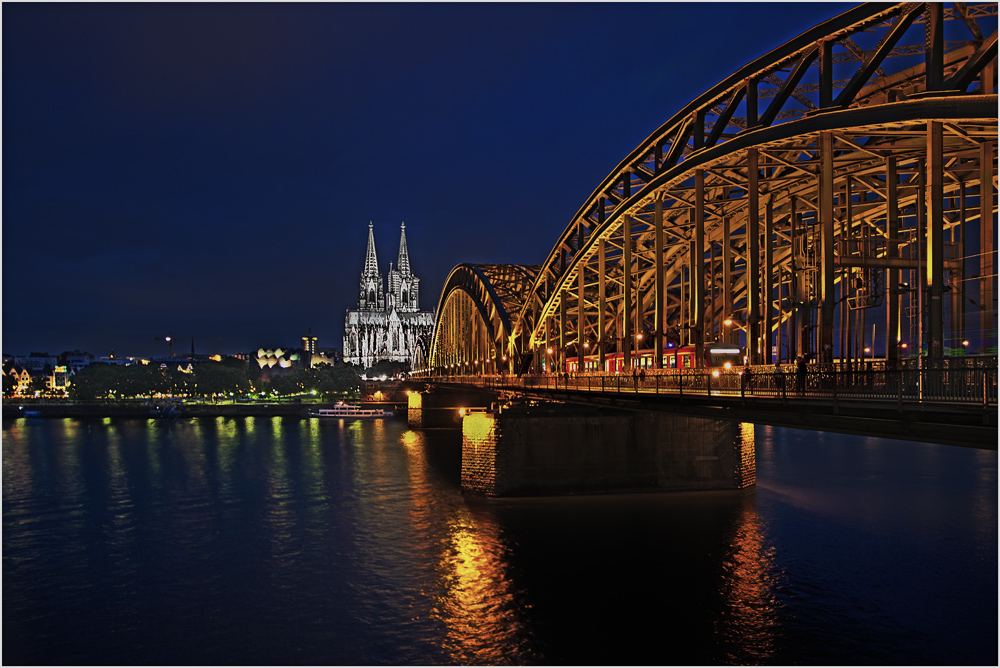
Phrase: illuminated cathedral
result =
(386, 325)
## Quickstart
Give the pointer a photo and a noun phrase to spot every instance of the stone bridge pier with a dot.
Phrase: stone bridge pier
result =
(523, 449)
(531, 450)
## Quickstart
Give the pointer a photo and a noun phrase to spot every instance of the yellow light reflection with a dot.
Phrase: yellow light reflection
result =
(750, 627)
(410, 439)
(479, 605)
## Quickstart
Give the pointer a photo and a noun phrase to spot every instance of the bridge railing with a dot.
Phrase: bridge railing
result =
(961, 386)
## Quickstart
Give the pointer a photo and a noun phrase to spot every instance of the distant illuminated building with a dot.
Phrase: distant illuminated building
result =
(282, 359)
(386, 326)
(310, 342)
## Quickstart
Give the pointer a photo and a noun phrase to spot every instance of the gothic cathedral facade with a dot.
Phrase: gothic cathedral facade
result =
(387, 325)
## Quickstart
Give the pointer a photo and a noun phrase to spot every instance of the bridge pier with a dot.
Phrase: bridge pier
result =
(533, 451)
(444, 408)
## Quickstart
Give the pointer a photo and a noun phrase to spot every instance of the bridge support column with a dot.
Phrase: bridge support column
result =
(581, 321)
(892, 251)
(627, 334)
(601, 305)
(534, 451)
(414, 409)
(698, 267)
(768, 287)
(987, 248)
(935, 240)
(827, 297)
(753, 259)
(660, 307)
(727, 280)
(549, 350)
(561, 353)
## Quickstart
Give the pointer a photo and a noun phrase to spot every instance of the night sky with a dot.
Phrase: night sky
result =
(210, 170)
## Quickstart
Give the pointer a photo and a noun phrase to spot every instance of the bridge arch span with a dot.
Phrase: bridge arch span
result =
(476, 317)
(836, 197)
(845, 179)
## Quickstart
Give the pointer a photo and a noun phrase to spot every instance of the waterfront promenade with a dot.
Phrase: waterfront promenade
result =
(153, 409)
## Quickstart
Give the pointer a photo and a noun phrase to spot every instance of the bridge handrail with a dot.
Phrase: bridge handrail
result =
(962, 386)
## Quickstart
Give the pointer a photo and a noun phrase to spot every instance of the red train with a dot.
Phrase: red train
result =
(717, 356)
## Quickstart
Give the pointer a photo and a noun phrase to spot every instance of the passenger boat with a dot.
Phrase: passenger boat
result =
(352, 411)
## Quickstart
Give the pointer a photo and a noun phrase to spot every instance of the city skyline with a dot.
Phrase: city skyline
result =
(210, 170)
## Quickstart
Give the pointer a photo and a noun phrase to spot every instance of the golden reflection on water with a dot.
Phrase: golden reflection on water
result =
(750, 623)
(478, 605)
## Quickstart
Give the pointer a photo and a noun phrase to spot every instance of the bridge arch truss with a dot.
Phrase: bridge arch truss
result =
(844, 180)
(473, 328)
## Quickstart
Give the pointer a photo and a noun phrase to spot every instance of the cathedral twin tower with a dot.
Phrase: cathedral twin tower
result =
(386, 325)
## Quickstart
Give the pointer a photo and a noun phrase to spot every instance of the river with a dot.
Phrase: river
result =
(286, 541)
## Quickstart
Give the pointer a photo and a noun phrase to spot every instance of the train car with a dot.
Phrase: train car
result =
(717, 356)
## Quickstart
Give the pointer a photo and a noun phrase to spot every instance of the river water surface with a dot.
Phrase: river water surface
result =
(287, 541)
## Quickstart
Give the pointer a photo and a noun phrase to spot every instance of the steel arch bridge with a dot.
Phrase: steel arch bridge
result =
(843, 181)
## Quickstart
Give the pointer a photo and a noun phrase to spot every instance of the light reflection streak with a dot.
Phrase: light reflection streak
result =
(750, 623)
(479, 606)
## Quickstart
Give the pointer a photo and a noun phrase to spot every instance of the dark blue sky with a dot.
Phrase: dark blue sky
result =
(210, 170)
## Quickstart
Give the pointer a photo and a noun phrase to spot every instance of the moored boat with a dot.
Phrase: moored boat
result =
(342, 410)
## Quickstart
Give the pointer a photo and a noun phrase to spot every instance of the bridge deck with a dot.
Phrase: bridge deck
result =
(950, 407)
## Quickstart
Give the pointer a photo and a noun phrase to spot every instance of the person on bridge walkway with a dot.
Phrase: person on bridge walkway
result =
(779, 379)
(800, 374)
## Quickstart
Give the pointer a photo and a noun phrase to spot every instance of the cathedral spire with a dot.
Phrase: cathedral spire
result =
(403, 265)
(371, 262)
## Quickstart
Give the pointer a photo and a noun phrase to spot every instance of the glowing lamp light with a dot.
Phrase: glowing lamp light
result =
(965, 343)
(867, 349)
(550, 351)
(461, 411)
(727, 321)
(715, 373)
(902, 345)
(727, 365)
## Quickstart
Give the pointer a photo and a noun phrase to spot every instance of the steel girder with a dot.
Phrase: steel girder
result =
(473, 326)
(764, 215)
